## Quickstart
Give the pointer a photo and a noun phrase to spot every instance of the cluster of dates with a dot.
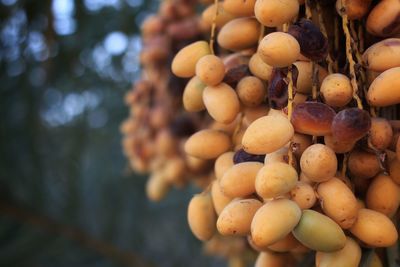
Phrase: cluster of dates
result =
(157, 125)
(288, 122)
(298, 120)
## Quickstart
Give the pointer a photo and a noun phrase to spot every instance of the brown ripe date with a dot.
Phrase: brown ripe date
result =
(338, 147)
(299, 143)
(235, 74)
(313, 118)
(313, 43)
(351, 124)
(278, 87)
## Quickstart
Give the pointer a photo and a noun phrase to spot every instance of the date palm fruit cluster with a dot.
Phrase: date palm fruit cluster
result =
(158, 126)
(295, 106)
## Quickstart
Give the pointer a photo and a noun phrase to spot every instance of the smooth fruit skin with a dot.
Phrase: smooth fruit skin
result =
(222, 18)
(279, 49)
(304, 80)
(381, 133)
(239, 34)
(219, 199)
(338, 202)
(222, 103)
(184, 62)
(318, 232)
(223, 163)
(193, 95)
(259, 68)
(383, 195)
(239, 180)
(382, 91)
(201, 216)
(351, 124)
(355, 9)
(207, 144)
(374, 229)
(312, 118)
(157, 187)
(286, 244)
(240, 8)
(236, 217)
(210, 69)
(363, 164)
(270, 259)
(383, 55)
(336, 90)
(383, 20)
(267, 134)
(349, 256)
(274, 13)
(304, 195)
(319, 163)
(251, 91)
(267, 228)
(275, 179)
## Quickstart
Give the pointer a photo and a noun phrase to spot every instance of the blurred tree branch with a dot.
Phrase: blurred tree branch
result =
(105, 249)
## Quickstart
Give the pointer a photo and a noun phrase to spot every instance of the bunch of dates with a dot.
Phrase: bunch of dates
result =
(295, 108)
(158, 126)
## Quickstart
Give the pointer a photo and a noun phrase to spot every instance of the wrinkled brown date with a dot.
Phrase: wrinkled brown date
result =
(235, 74)
(313, 43)
(278, 86)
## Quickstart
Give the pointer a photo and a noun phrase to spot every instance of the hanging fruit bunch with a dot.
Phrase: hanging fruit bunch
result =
(295, 105)
(157, 126)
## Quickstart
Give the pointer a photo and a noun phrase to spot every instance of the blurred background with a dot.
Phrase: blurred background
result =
(67, 196)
